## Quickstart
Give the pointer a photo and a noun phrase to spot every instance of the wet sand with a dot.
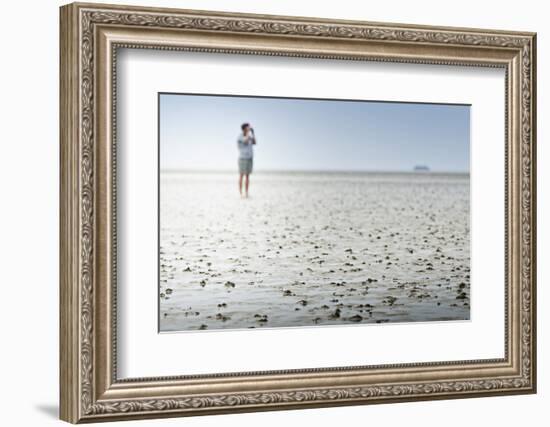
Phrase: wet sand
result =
(313, 249)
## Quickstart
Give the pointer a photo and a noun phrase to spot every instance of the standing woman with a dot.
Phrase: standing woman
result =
(246, 154)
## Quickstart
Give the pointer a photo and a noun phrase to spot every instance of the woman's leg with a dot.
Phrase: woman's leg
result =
(246, 182)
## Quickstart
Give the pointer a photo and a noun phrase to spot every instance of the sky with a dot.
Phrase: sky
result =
(199, 132)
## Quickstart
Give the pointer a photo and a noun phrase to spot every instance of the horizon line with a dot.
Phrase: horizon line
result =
(312, 171)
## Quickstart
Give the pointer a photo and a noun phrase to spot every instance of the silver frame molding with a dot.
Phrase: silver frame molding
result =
(90, 37)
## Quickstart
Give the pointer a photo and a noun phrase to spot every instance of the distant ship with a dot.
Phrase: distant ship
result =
(421, 168)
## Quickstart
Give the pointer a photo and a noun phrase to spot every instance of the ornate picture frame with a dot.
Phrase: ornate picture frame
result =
(90, 37)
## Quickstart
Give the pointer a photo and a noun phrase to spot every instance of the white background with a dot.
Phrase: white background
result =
(29, 227)
(141, 347)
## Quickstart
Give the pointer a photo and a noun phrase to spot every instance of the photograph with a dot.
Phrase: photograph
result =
(286, 210)
(298, 212)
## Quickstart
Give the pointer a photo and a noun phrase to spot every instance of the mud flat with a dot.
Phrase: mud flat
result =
(313, 249)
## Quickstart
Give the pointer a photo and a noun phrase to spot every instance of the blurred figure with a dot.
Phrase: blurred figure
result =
(246, 154)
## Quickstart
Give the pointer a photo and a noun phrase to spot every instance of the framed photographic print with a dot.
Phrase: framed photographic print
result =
(267, 212)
